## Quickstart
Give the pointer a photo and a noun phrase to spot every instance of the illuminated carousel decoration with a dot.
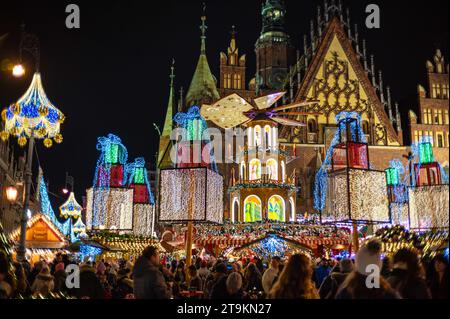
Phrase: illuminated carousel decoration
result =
(428, 196)
(120, 191)
(262, 191)
(71, 208)
(33, 116)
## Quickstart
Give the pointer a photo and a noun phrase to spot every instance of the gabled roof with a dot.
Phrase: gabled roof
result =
(335, 28)
(15, 235)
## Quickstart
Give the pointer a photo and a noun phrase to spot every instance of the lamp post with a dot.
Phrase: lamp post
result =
(32, 117)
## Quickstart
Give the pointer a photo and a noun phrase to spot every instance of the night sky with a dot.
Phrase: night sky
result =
(111, 76)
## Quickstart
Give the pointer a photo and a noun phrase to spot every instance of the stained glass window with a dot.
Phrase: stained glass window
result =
(252, 209)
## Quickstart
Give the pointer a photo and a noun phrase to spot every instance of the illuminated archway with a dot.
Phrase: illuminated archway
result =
(252, 209)
(268, 136)
(272, 169)
(258, 135)
(291, 201)
(242, 172)
(235, 210)
(276, 208)
(283, 171)
(255, 169)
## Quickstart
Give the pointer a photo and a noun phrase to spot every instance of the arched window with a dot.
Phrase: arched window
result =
(250, 136)
(293, 215)
(242, 173)
(255, 169)
(252, 209)
(267, 136)
(258, 135)
(276, 208)
(272, 169)
(312, 126)
(235, 210)
(365, 127)
(238, 82)
(283, 171)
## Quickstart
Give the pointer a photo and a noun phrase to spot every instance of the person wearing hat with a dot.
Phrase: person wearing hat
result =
(358, 285)
(331, 284)
(44, 283)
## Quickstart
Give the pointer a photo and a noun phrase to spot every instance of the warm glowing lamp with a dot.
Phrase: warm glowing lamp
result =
(11, 194)
(18, 70)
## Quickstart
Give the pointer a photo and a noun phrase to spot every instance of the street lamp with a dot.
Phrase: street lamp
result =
(18, 70)
(32, 117)
(11, 194)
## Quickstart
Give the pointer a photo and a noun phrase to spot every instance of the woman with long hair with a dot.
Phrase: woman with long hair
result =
(407, 276)
(295, 281)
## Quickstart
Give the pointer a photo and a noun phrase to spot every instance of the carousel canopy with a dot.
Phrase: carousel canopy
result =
(33, 114)
(71, 207)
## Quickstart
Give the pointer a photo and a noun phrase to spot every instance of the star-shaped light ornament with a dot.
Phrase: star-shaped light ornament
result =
(233, 110)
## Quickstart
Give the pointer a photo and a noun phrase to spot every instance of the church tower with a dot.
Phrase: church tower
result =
(202, 89)
(273, 49)
(232, 68)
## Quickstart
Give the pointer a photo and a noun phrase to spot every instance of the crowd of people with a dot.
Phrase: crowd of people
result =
(402, 276)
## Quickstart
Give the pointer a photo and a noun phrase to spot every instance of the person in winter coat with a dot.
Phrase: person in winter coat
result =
(90, 286)
(368, 259)
(124, 285)
(253, 278)
(407, 277)
(60, 278)
(270, 274)
(149, 282)
(43, 284)
(439, 279)
(234, 286)
(195, 280)
(331, 284)
(217, 287)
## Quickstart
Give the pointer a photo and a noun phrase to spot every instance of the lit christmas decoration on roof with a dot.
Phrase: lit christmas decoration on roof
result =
(71, 208)
(33, 115)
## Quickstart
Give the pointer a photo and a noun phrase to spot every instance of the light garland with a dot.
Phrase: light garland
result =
(33, 115)
(428, 207)
(363, 199)
(47, 210)
(175, 194)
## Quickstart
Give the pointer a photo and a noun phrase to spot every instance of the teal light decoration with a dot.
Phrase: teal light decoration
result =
(426, 153)
(392, 176)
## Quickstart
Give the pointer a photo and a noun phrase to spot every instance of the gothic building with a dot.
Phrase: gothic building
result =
(433, 108)
(334, 68)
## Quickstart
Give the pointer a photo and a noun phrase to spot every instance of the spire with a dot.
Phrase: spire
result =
(180, 101)
(389, 104)
(170, 105)
(203, 84)
(399, 118)
(203, 28)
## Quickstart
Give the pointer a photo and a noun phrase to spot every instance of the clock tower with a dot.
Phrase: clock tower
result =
(274, 51)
